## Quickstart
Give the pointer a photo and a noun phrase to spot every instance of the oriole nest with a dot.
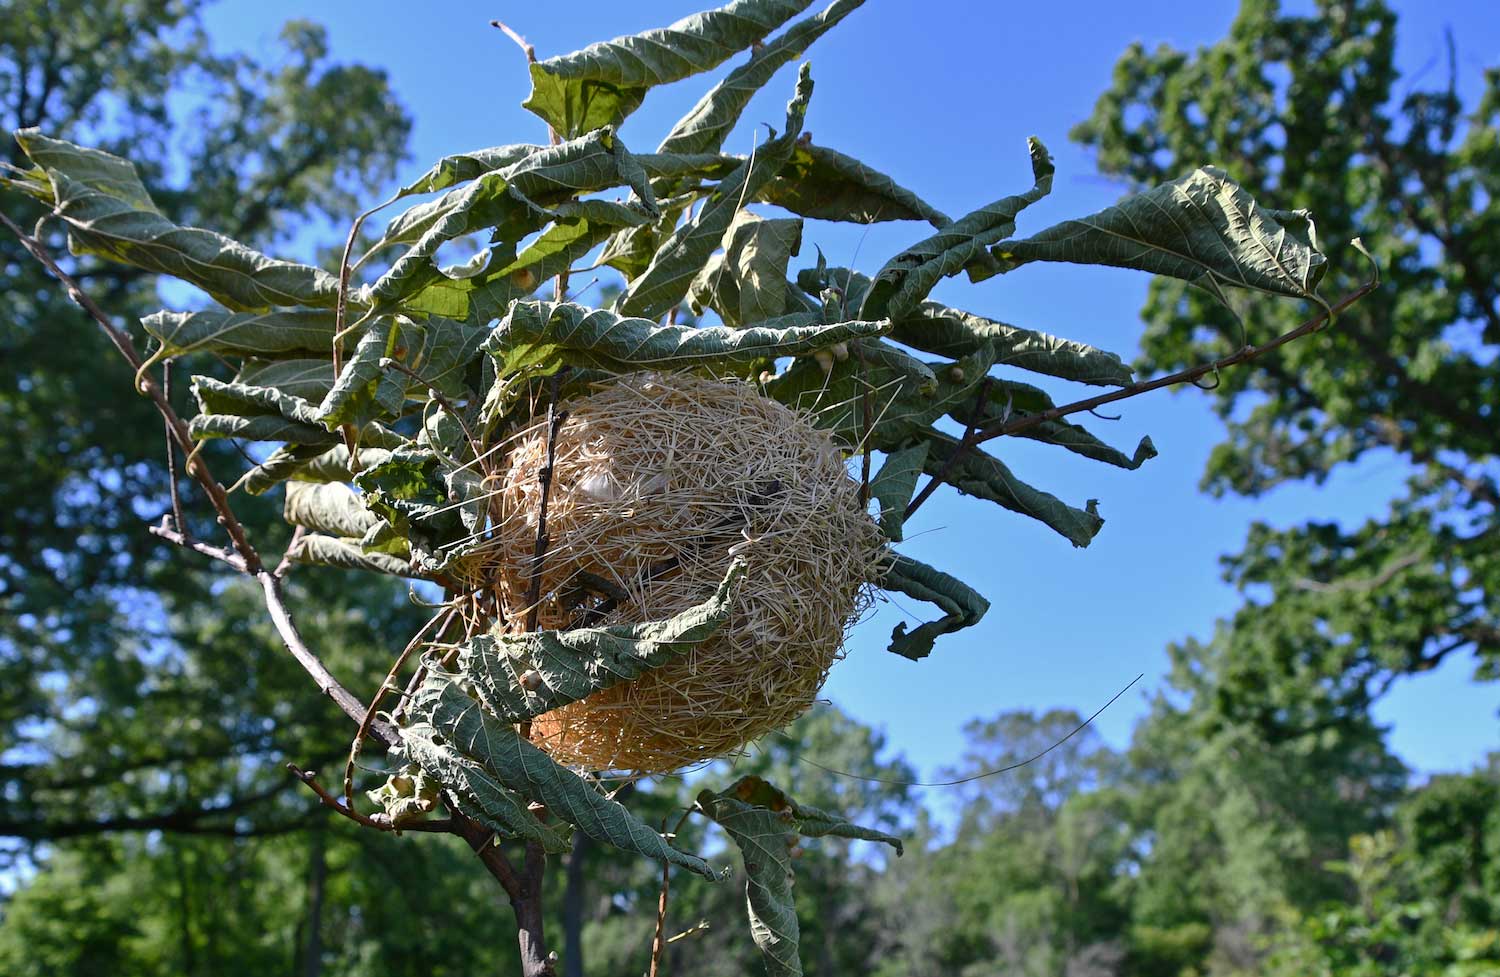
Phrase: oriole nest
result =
(658, 482)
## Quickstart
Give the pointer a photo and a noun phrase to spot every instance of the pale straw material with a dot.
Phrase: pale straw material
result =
(659, 481)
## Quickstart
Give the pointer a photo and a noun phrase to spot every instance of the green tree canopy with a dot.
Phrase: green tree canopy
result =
(1308, 109)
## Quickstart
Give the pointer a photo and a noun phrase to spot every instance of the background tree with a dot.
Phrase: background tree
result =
(1307, 111)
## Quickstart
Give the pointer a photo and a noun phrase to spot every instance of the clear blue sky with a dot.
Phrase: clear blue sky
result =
(942, 95)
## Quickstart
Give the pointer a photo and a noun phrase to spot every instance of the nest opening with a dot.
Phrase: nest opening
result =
(658, 481)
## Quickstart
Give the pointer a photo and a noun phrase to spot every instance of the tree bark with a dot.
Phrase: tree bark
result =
(572, 908)
(535, 960)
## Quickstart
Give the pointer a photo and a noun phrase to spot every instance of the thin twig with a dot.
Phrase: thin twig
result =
(220, 553)
(658, 939)
(444, 616)
(313, 665)
(166, 393)
(964, 444)
(194, 465)
(868, 424)
(1242, 355)
(544, 479)
(286, 558)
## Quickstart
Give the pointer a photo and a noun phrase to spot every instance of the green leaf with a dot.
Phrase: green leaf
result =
(309, 379)
(766, 825)
(280, 465)
(605, 82)
(961, 604)
(825, 184)
(463, 167)
(894, 485)
(977, 473)
(328, 551)
(110, 214)
(1010, 398)
(241, 333)
(478, 793)
(331, 508)
(706, 125)
(540, 337)
(935, 328)
(906, 397)
(1203, 228)
(518, 766)
(234, 410)
(909, 276)
(747, 284)
(569, 665)
(364, 391)
(679, 259)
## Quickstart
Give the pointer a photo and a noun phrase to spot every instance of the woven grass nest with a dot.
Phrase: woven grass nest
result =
(656, 477)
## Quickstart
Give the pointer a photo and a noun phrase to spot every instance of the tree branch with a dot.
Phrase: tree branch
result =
(1243, 355)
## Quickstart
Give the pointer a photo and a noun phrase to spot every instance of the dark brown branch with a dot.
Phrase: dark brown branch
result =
(445, 617)
(379, 822)
(179, 538)
(544, 479)
(1243, 355)
(965, 443)
(166, 393)
(380, 730)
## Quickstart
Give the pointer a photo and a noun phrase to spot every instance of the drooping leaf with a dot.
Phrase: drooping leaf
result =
(110, 214)
(535, 180)
(1203, 228)
(518, 766)
(364, 391)
(747, 283)
(976, 472)
(463, 167)
(477, 792)
(540, 337)
(906, 397)
(908, 277)
(707, 123)
(766, 825)
(310, 379)
(568, 665)
(894, 485)
(233, 410)
(280, 465)
(328, 551)
(241, 333)
(679, 259)
(962, 606)
(514, 200)
(1012, 399)
(935, 328)
(331, 508)
(605, 82)
(826, 184)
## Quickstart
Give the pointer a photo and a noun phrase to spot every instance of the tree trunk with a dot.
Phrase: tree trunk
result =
(572, 909)
(317, 877)
(535, 960)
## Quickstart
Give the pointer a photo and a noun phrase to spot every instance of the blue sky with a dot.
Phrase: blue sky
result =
(942, 95)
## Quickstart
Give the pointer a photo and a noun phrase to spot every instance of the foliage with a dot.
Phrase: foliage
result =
(1182, 855)
(1309, 108)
